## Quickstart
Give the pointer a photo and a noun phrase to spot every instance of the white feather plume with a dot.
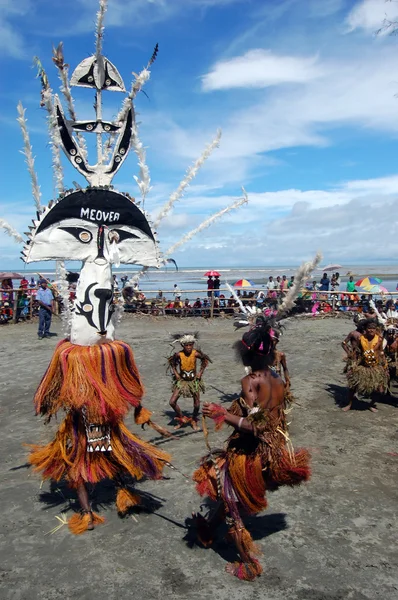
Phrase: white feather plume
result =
(206, 223)
(191, 174)
(99, 26)
(55, 141)
(136, 86)
(143, 180)
(63, 288)
(11, 231)
(29, 158)
(301, 276)
(237, 299)
(63, 73)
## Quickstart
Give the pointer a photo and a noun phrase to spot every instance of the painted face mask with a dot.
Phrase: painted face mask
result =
(98, 225)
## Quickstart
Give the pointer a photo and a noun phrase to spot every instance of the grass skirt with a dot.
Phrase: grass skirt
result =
(66, 457)
(187, 389)
(367, 380)
(96, 385)
(247, 468)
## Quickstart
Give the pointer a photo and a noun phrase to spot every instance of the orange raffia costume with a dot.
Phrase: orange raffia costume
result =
(369, 373)
(250, 464)
(96, 386)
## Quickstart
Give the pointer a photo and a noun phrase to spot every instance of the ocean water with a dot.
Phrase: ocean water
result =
(192, 282)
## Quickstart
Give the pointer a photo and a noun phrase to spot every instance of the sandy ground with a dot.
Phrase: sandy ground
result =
(331, 539)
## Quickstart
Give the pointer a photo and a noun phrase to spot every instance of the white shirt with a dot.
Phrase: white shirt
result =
(271, 285)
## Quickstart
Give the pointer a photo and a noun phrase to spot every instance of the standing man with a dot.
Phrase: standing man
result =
(270, 285)
(324, 283)
(210, 286)
(216, 286)
(176, 292)
(351, 285)
(187, 382)
(45, 299)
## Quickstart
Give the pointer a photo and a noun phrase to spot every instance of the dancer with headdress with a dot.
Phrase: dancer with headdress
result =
(92, 376)
(187, 380)
(258, 455)
(368, 374)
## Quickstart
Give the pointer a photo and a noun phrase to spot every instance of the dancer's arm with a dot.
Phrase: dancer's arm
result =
(285, 370)
(174, 362)
(215, 411)
(204, 361)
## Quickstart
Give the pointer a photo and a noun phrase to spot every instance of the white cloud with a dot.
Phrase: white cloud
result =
(370, 15)
(357, 90)
(11, 41)
(259, 69)
(286, 226)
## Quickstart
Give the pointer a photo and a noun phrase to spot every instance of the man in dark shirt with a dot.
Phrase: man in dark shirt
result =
(216, 286)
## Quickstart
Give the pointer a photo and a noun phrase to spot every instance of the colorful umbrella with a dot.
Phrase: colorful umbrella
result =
(212, 274)
(376, 289)
(244, 283)
(366, 281)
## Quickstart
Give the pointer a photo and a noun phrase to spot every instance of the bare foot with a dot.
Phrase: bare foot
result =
(178, 426)
(194, 425)
(347, 408)
(373, 409)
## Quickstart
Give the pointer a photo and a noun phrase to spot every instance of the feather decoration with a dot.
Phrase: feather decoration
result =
(237, 299)
(30, 159)
(143, 180)
(11, 231)
(55, 142)
(59, 61)
(138, 83)
(191, 174)
(47, 102)
(99, 26)
(154, 56)
(63, 288)
(136, 86)
(207, 222)
(301, 276)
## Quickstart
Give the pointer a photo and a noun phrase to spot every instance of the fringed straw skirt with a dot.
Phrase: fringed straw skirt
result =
(367, 380)
(96, 386)
(242, 478)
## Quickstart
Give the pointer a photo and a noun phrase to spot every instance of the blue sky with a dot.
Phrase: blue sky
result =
(303, 90)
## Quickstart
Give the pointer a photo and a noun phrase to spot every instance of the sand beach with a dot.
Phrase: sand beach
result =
(331, 539)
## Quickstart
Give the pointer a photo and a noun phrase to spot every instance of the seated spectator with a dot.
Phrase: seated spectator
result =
(187, 308)
(24, 283)
(197, 305)
(222, 302)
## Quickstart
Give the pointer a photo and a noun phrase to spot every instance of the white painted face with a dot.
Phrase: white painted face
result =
(91, 224)
(100, 227)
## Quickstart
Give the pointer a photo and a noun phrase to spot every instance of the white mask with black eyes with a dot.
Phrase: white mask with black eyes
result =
(100, 227)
